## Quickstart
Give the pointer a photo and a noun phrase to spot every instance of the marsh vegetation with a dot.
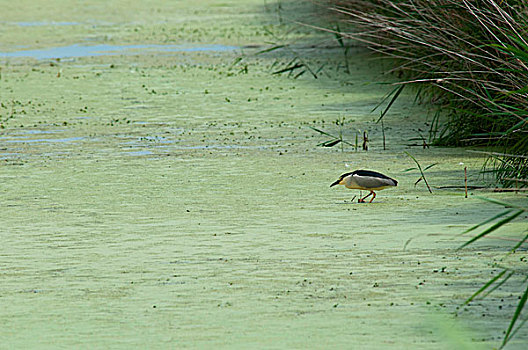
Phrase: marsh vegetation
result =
(469, 59)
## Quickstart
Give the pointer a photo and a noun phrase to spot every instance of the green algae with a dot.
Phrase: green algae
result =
(178, 201)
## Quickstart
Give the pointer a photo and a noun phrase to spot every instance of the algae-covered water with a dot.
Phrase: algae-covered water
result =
(160, 188)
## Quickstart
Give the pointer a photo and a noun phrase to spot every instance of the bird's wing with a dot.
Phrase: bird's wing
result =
(373, 182)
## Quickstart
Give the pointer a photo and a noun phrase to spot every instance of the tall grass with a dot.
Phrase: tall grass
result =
(469, 57)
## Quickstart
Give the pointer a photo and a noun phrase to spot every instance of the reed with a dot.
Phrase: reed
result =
(470, 58)
(335, 139)
(419, 168)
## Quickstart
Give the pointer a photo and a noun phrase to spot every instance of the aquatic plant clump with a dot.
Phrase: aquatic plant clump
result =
(469, 57)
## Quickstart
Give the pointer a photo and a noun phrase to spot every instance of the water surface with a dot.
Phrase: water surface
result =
(81, 50)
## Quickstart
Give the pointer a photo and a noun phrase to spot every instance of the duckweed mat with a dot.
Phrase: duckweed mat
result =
(158, 198)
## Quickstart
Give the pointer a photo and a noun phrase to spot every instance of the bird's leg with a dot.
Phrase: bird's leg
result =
(362, 200)
(374, 196)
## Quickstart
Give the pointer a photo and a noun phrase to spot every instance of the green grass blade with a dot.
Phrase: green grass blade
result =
(416, 139)
(507, 205)
(299, 74)
(383, 100)
(430, 166)
(270, 49)
(519, 244)
(518, 327)
(398, 92)
(492, 228)
(487, 221)
(516, 315)
(484, 287)
(339, 37)
(421, 172)
(515, 52)
(410, 155)
(499, 284)
(517, 126)
(519, 91)
(320, 68)
(330, 143)
(347, 143)
(324, 142)
(236, 61)
(323, 132)
(289, 69)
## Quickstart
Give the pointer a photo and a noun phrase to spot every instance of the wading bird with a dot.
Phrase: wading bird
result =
(365, 180)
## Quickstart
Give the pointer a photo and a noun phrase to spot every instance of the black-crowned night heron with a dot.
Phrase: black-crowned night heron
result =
(365, 180)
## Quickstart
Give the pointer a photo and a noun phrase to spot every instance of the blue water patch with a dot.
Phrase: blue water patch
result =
(70, 139)
(139, 153)
(25, 132)
(78, 50)
(9, 155)
(38, 24)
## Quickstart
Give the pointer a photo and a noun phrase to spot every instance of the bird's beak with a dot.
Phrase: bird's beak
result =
(335, 183)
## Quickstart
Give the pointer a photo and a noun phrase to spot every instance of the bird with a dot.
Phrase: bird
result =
(365, 180)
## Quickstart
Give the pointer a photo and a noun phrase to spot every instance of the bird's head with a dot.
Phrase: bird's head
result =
(335, 183)
(339, 181)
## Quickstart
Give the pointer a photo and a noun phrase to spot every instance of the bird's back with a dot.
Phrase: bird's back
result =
(367, 179)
